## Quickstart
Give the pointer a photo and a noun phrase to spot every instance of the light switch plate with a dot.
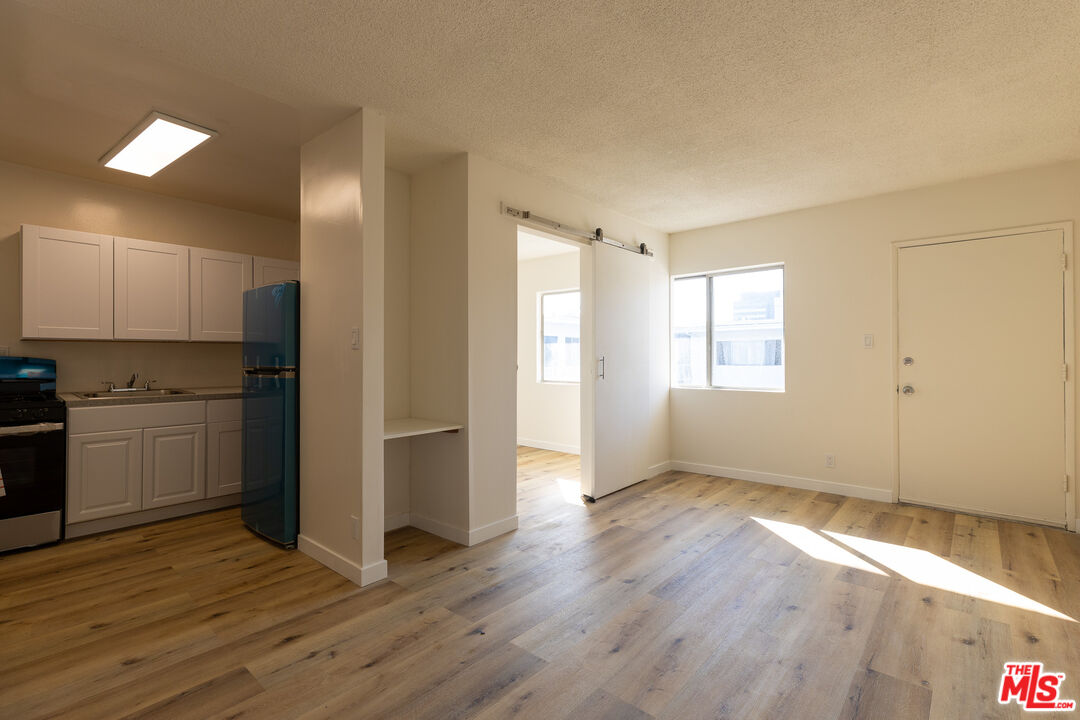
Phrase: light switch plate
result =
(356, 338)
(868, 341)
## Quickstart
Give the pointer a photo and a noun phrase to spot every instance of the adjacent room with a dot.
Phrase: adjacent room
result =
(606, 360)
(549, 365)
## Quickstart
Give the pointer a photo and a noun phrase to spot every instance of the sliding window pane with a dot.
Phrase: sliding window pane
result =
(748, 329)
(689, 354)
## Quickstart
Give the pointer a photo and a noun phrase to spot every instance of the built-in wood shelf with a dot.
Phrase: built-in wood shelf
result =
(408, 427)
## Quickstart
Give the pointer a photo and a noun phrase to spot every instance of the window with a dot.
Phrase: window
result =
(727, 329)
(560, 335)
(689, 345)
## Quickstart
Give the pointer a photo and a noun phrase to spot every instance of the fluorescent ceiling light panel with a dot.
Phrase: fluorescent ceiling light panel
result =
(154, 143)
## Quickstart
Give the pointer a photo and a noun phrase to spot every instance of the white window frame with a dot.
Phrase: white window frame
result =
(710, 350)
(540, 339)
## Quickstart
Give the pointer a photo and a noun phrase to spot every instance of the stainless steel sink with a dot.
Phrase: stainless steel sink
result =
(122, 393)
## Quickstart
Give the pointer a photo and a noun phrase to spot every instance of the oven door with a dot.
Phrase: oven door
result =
(32, 462)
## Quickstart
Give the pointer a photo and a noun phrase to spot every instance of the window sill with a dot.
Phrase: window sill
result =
(770, 391)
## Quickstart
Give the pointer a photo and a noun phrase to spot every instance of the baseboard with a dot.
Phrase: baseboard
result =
(451, 533)
(373, 573)
(856, 491)
(393, 522)
(341, 565)
(491, 530)
(91, 527)
(545, 445)
(655, 470)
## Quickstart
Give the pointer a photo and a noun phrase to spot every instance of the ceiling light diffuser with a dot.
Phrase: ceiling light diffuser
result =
(154, 143)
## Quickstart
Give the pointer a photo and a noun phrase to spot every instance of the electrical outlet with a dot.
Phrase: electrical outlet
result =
(830, 461)
(355, 527)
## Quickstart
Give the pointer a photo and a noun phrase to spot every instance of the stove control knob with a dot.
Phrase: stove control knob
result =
(39, 413)
(20, 412)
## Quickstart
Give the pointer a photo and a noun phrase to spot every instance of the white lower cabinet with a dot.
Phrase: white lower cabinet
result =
(131, 458)
(174, 462)
(104, 474)
(223, 458)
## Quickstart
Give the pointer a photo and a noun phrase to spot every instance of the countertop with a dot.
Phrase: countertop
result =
(202, 393)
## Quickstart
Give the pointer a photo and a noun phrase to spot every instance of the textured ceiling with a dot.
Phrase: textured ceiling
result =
(67, 95)
(680, 114)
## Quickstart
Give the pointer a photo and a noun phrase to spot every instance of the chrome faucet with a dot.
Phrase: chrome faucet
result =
(132, 379)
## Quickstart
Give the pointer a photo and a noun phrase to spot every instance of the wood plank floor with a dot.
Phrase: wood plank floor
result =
(681, 597)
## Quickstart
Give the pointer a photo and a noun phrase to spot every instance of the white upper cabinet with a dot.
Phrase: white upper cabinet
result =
(67, 284)
(218, 282)
(271, 270)
(85, 286)
(151, 281)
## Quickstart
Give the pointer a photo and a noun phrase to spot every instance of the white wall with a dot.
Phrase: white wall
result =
(838, 287)
(492, 319)
(438, 327)
(463, 337)
(341, 398)
(396, 372)
(548, 414)
(38, 197)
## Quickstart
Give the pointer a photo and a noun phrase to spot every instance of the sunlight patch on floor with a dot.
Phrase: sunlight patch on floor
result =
(570, 491)
(816, 546)
(925, 568)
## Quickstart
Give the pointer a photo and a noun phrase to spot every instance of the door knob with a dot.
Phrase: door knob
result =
(909, 361)
(908, 390)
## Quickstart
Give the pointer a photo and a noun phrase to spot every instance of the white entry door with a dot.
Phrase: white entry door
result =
(981, 370)
(620, 417)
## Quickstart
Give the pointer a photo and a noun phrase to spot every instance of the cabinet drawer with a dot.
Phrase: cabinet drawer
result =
(127, 417)
(224, 410)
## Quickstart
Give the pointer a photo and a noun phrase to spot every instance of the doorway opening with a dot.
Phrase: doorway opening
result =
(549, 372)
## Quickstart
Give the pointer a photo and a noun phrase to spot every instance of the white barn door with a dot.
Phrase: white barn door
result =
(617, 457)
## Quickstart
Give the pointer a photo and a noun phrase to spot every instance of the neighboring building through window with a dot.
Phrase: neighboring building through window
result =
(560, 336)
(728, 329)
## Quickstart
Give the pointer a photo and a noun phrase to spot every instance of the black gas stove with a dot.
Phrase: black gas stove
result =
(15, 409)
(32, 453)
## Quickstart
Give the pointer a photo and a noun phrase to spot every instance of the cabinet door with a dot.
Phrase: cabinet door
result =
(151, 290)
(223, 458)
(104, 474)
(174, 465)
(271, 270)
(67, 284)
(218, 282)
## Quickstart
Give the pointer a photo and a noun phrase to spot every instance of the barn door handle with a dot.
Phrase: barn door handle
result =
(601, 367)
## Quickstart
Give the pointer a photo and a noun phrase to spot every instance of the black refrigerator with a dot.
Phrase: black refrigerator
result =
(271, 429)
